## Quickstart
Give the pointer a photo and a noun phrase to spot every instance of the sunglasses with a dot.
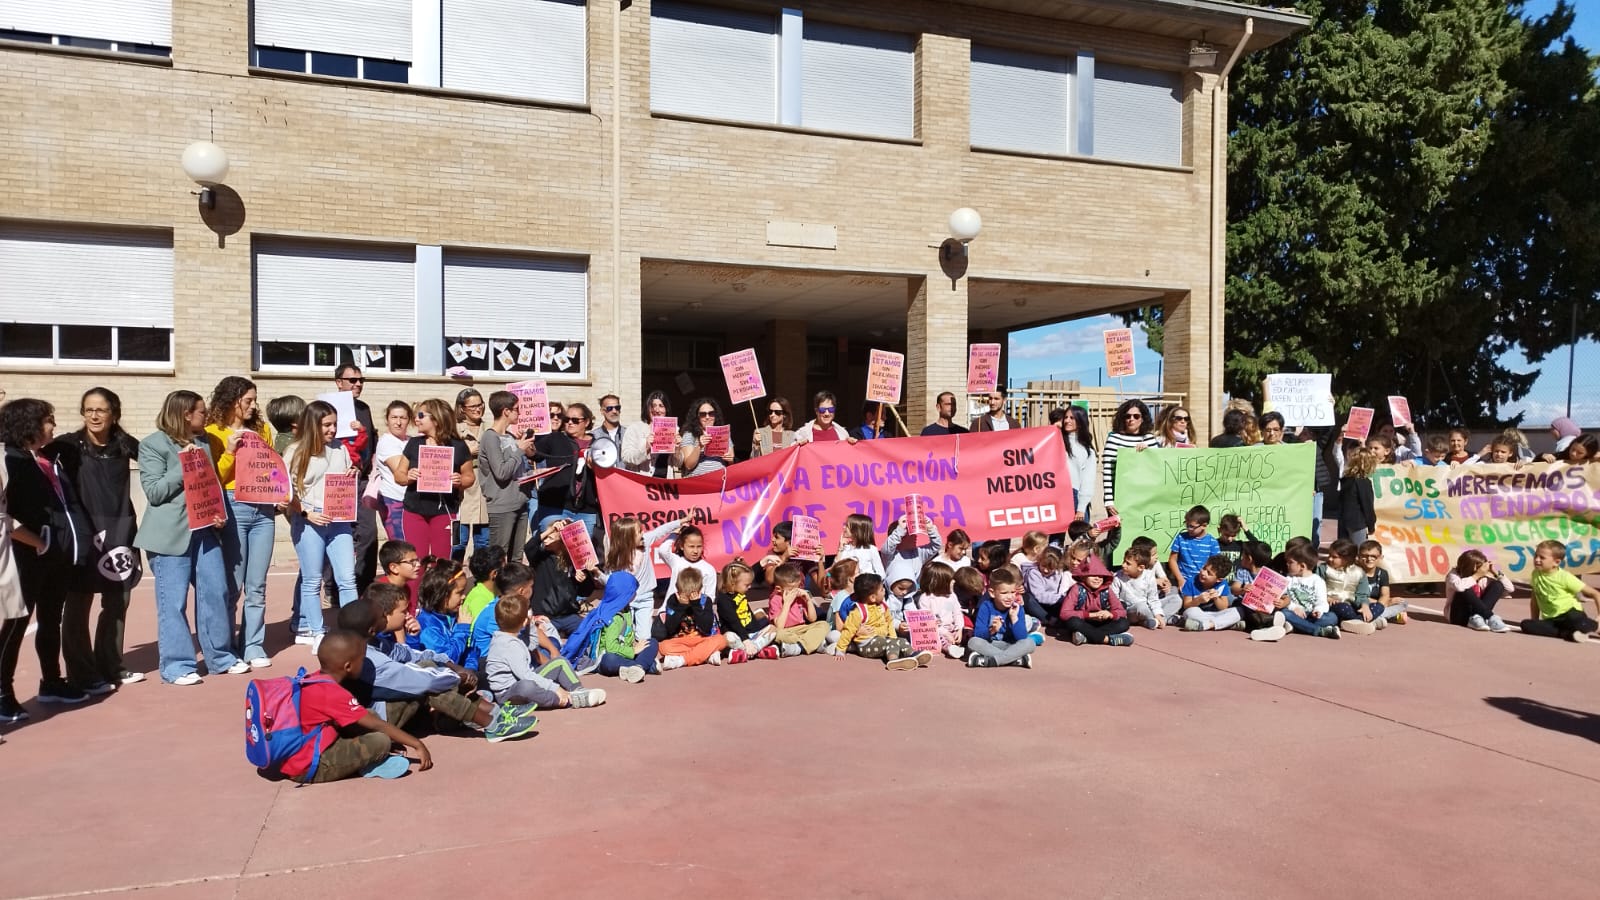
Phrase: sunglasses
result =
(708, 414)
(774, 412)
(352, 380)
(1132, 417)
(1180, 418)
(825, 409)
(576, 420)
(616, 408)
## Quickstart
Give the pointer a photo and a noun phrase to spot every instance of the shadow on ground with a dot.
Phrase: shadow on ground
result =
(1555, 718)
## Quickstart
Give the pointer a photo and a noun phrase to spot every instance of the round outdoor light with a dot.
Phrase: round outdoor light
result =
(965, 223)
(205, 163)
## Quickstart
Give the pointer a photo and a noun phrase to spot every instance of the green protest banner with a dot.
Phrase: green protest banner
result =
(1269, 487)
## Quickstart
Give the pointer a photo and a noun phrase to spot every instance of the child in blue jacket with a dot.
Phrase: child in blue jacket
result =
(999, 629)
(446, 627)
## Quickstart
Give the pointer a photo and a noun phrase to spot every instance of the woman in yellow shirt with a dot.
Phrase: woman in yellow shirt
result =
(248, 537)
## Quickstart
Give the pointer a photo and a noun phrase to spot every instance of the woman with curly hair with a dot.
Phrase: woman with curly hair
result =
(252, 527)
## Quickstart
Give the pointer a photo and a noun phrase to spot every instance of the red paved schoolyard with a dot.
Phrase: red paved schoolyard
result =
(1423, 761)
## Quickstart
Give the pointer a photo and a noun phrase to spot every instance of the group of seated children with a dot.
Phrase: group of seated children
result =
(489, 659)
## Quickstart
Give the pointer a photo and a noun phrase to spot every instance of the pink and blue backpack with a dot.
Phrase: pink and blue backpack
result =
(272, 727)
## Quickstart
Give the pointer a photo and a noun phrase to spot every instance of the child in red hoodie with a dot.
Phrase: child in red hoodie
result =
(1090, 612)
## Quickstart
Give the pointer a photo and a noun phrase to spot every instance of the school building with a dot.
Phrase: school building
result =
(605, 195)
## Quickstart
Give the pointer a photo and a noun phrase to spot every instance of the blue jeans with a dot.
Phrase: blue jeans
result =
(1307, 626)
(247, 549)
(1316, 519)
(202, 569)
(1344, 612)
(611, 663)
(315, 544)
(480, 539)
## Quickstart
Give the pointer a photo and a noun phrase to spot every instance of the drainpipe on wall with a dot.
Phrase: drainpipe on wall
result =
(616, 194)
(1219, 211)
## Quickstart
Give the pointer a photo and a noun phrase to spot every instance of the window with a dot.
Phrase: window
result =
(514, 313)
(1138, 114)
(679, 353)
(857, 81)
(129, 26)
(718, 63)
(334, 38)
(520, 48)
(85, 295)
(1021, 101)
(318, 304)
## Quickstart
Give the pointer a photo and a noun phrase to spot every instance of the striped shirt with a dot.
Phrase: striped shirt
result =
(1115, 442)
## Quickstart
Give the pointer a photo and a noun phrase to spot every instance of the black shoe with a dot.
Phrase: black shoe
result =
(60, 692)
(11, 711)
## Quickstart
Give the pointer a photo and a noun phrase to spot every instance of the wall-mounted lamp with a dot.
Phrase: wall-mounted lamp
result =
(1202, 55)
(965, 223)
(207, 165)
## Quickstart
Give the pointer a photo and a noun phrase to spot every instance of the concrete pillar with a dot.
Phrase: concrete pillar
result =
(1188, 347)
(785, 367)
(936, 345)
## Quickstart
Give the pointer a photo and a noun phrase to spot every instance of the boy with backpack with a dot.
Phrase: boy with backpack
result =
(311, 730)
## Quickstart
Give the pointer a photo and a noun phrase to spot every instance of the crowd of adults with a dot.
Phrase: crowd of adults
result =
(68, 503)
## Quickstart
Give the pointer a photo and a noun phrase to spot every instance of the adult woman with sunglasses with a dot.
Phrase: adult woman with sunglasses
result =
(568, 493)
(1172, 427)
(427, 516)
(692, 458)
(823, 428)
(778, 433)
(1129, 429)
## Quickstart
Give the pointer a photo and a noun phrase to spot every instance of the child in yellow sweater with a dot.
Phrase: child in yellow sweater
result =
(869, 629)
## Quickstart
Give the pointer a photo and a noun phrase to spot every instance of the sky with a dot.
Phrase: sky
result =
(1074, 350)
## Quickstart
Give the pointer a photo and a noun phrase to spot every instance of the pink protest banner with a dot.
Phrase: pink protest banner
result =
(718, 440)
(983, 368)
(1359, 424)
(743, 373)
(339, 497)
(434, 465)
(1263, 593)
(580, 548)
(537, 474)
(533, 406)
(663, 434)
(1119, 352)
(202, 493)
(885, 371)
(806, 537)
(1400, 412)
(992, 484)
(259, 474)
(923, 629)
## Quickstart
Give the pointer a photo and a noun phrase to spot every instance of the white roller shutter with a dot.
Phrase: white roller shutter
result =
(335, 293)
(1021, 101)
(521, 48)
(718, 63)
(857, 81)
(133, 21)
(1138, 114)
(516, 297)
(378, 29)
(51, 275)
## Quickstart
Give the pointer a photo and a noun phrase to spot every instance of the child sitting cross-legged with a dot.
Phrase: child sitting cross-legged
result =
(685, 630)
(508, 666)
(1207, 603)
(1091, 612)
(1144, 594)
(1000, 634)
(1305, 603)
(1349, 594)
(748, 632)
(794, 613)
(869, 630)
(397, 682)
(938, 596)
(445, 626)
(350, 739)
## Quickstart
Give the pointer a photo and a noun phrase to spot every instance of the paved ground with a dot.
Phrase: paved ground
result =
(1424, 761)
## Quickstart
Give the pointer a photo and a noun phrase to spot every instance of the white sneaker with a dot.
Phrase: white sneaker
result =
(238, 668)
(668, 663)
(587, 697)
(1498, 625)
(260, 662)
(954, 651)
(716, 659)
(1577, 637)
(631, 674)
(1271, 633)
(186, 680)
(303, 638)
(1476, 623)
(790, 650)
(132, 677)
